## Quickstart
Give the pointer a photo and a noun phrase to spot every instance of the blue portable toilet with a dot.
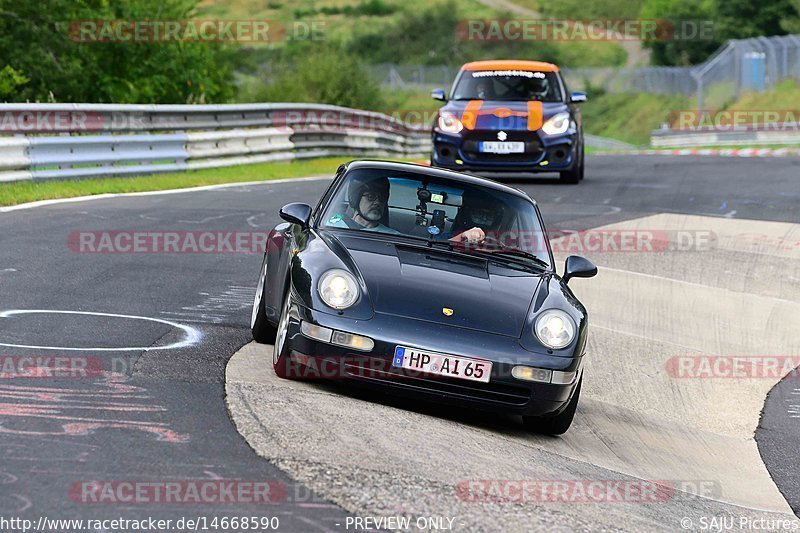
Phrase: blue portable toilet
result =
(754, 71)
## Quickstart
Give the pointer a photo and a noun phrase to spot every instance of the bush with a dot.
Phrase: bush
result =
(307, 72)
(371, 8)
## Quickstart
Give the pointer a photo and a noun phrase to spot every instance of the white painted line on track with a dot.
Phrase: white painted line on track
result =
(192, 337)
(56, 201)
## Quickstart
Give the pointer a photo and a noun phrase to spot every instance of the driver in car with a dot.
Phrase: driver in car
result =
(368, 198)
(482, 90)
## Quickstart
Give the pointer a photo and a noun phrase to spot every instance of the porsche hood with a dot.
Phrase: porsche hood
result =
(437, 286)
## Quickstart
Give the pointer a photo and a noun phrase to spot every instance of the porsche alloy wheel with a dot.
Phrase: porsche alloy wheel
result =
(280, 352)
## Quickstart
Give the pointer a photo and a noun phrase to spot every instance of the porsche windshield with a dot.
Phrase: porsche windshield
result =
(473, 218)
(514, 85)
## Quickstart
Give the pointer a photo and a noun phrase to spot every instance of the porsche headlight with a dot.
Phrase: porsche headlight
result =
(558, 124)
(338, 289)
(554, 328)
(449, 123)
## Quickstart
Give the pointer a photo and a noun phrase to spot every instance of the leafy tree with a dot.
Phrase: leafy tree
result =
(731, 19)
(10, 80)
(37, 43)
(740, 19)
(680, 45)
(791, 23)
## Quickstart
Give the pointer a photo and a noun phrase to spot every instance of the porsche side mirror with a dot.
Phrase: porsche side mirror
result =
(438, 94)
(578, 267)
(577, 97)
(296, 213)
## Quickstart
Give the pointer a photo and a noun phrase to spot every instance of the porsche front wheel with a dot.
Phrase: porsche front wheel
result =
(263, 331)
(280, 351)
(558, 424)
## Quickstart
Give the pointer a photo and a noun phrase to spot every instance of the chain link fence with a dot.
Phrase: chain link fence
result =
(755, 64)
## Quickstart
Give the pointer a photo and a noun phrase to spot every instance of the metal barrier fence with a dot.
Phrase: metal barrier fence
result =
(83, 140)
(752, 137)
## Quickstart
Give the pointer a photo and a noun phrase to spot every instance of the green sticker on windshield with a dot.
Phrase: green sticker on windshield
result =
(334, 219)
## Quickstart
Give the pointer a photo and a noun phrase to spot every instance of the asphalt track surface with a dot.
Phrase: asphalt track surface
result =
(160, 414)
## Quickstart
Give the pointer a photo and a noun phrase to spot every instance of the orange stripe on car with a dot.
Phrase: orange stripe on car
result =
(534, 115)
(505, 64)
(470, 116)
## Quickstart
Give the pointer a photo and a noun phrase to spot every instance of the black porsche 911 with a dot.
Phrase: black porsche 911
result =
(429, 283)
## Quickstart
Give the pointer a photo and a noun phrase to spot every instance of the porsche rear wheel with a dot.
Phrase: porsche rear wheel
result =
(558, 424)
(263, 331)
(280, 351)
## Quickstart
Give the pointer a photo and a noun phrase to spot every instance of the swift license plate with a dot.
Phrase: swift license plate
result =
(498, 147)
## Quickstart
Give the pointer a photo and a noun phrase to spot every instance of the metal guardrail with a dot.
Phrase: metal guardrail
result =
(46, 141)
(751, 137)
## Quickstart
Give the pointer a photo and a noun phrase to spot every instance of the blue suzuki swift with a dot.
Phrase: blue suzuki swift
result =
(509, 118)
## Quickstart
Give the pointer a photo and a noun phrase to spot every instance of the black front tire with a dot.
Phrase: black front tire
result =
(575, 174)
(281, 356)
(263, 331)
(558, 424)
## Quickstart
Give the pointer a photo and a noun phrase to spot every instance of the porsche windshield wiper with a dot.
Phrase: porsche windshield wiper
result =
(510, 253)
(517, 252)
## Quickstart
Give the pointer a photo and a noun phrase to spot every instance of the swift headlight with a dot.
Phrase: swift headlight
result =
(558, 124)
(449, 123)
(554, 328)
(338, 289)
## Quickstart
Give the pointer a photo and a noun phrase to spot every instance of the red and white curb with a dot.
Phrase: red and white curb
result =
(726, 152)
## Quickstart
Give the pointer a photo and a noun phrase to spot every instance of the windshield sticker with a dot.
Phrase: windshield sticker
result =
(433, 230)
(334, 219)
(520, 73)
(437, 198)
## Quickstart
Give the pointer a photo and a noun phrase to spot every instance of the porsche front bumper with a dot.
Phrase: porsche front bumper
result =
(314, 359)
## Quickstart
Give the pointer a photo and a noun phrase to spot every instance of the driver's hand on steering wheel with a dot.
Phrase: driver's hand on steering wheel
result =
(471, 236)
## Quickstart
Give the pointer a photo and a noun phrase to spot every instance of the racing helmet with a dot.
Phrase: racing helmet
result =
(479, 210)
(538, 87)
(360, 184)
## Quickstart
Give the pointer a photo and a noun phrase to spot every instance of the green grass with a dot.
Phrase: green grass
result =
(336, 18)
(785, 96)
(582, 10)
(29, 191)
(630, 117)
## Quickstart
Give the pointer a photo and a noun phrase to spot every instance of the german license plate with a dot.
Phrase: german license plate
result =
(498, 147)
(442, 364)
